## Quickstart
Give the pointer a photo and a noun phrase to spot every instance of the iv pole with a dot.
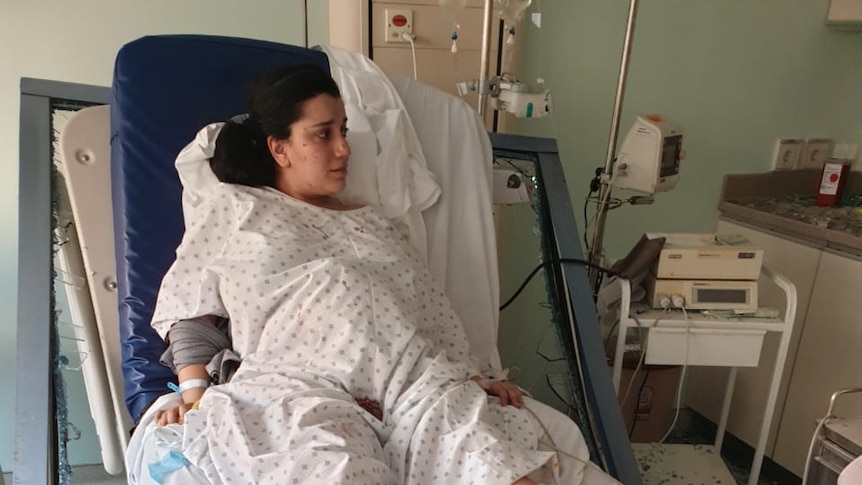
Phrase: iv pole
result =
(595, 256)
(485, 60)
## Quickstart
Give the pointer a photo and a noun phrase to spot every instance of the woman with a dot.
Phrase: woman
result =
(330, 308)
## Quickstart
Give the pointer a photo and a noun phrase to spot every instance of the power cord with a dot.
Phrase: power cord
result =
(553, 445)
(548, 263)
(679, 302)
(410, 38)
(641, 362)
(638, 367)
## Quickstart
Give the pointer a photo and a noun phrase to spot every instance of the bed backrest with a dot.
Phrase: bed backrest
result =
(165, 89)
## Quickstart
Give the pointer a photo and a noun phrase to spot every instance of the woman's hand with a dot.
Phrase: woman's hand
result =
(173, 415)
(191, 396)
(509, 394)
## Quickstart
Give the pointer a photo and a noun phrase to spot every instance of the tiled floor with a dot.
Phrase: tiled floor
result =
(693, 429)
(681, 463)
(86, 475)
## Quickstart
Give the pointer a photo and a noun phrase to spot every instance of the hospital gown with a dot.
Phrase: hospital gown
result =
(326, 307)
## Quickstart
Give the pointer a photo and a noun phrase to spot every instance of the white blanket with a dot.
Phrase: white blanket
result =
(328, 306)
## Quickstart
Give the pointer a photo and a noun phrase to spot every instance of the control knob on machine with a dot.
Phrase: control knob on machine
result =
(663, 300)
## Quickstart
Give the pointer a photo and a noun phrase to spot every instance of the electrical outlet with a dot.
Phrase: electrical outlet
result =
(817, 151)
(787, 153)
(398, 21)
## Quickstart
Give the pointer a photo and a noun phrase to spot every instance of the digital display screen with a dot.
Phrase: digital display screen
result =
(721, 296)
(670, 156)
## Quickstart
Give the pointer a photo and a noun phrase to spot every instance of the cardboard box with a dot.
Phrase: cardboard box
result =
(648, 412)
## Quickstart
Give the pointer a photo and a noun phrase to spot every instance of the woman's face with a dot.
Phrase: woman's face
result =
(313, 160)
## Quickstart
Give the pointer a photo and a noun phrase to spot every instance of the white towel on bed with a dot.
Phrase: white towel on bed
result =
(406, 186)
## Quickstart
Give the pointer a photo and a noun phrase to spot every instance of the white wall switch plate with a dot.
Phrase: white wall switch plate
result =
(817, 151)
(398, 21)
(845, 151)
(787, 153)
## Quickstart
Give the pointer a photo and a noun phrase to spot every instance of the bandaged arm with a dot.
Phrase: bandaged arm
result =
(191, 346)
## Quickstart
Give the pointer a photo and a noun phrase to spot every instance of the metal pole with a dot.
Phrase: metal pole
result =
(305, 23)
(485, 60)
(605, 190)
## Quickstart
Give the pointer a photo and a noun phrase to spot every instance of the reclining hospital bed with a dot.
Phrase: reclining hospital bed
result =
(166, 88)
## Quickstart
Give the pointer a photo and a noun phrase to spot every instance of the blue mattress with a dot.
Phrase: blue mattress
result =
(165, 89)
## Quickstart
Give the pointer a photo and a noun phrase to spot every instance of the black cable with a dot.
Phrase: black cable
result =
(637, 403)
(586, 224)
(547, 263)
(595, 185)
(610, 336)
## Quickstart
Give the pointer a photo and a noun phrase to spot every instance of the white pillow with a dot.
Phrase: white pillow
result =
(361, 187)
(192, 165)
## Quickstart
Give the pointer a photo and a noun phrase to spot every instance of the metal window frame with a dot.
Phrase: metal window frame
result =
(573, 292)
(35, 457)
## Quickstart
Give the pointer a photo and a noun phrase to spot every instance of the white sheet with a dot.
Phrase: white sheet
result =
(405, 184)
(327, 306)
(462, 245)
(150, 444)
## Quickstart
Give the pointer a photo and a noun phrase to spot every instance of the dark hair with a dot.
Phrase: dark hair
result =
(275, 102)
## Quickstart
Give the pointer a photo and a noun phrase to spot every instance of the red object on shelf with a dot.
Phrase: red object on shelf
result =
(833, 178)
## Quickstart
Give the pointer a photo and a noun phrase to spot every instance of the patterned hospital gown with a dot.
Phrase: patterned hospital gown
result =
(328, 306)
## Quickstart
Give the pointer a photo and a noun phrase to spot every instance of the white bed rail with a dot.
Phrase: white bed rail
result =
(85, 143)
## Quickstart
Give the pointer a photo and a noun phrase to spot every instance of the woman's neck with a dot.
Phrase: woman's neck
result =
(324, 201)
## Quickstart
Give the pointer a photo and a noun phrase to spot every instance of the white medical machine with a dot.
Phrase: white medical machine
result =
(648, 160)
(705, 272)
(708, 257)
(703, 294)
(505, 92)
(521, 99)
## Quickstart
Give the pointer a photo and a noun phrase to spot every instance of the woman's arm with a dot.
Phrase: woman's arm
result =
(191, 396)
(185, 374)
(189, 372)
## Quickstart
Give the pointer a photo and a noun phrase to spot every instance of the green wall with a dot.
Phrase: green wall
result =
(736, 74)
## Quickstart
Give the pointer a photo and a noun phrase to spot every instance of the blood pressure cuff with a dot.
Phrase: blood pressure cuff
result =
(640, 258)
(165, 89)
